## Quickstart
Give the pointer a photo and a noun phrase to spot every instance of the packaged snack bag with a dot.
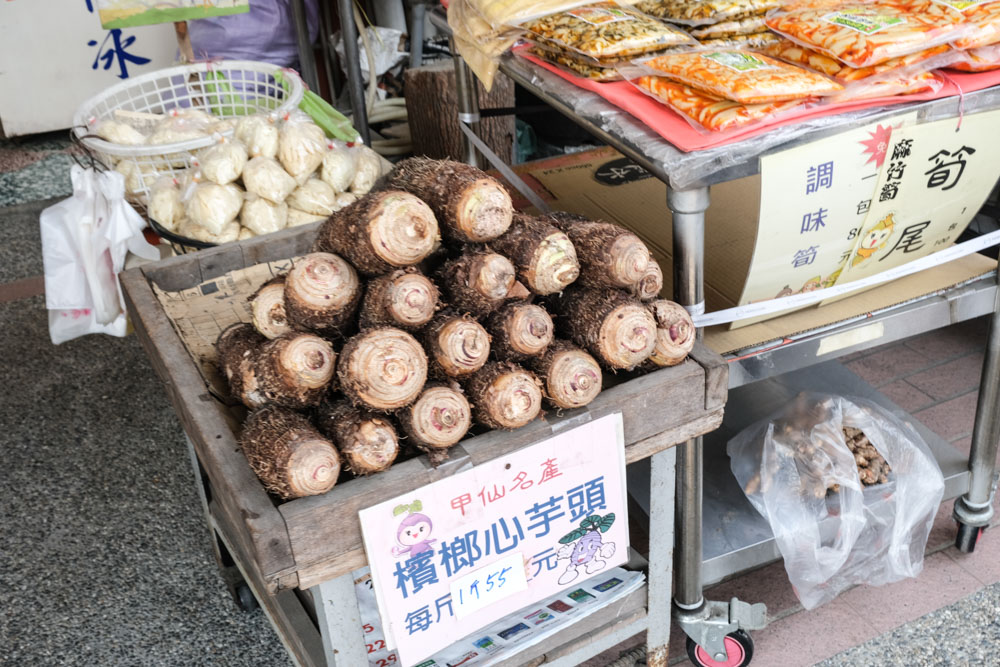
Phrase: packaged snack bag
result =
(705, 12)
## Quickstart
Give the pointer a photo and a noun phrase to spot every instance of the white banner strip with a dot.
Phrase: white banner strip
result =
(809, 298)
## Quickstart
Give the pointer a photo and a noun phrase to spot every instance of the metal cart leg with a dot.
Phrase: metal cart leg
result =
(707, 624)
(468, 104)
(974, 510)
(355, 82)
(661, 553)
(339, 622)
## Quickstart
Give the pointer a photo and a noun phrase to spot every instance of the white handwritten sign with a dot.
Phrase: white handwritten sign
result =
(456, 555)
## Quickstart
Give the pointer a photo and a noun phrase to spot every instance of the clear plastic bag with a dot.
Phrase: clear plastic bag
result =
(576, 65)
(832, 531)
(983, 59)
(704, 12)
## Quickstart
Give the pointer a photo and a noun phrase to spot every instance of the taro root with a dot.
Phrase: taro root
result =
(267, 307)
(380, 232)
(478, 282)
(675, 332)
(544, 256)
(570, 377)
(457, 345)
(366, 441)
(470, 205)
(520, 330)
(504, 395)
(382, 369)
(609, 255)
(293, 370)
(236, 348)
(321, 293)
(406, 299)
(614, 327)
(288, 454)
(438, 419)
(649, 286)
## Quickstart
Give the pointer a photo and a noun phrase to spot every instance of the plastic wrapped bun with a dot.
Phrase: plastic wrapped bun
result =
(301, 146)
(213, 206)
(245, 234)
(179, 127)
(224, 126)
(263, 217)
(165, 205)
(259, 134)
(227, 234)
(264, 177)
(224, 162)
(314, 196)
(369, 169)
(297, 217)
(339, 166)
(119, 133)
(135, 176)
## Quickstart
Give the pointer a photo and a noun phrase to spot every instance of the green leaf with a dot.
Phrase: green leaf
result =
(572, 536)
(416, 506)
(592, 520)
(400, 509)
(607, 522)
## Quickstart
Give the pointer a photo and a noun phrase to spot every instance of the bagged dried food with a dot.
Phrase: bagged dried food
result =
(843, 511)
(212, 206)
(118, 132)
(981, 18)
(263, 217)
(708, 112)
(748, 26)
(229, 232)
(742, 42)
(369, 168)
(165, 204)
(181, 127)
(704, 12)
(983, 59)
(793, 53)
(224, 162)
(575, 66)
(245, 234)
(741, 76)
(888, 86)
(862, 34)
(301, 146)
(314, 196)
(339, 165)
(297, 217)
(604, 30)
(259, 134)
(264, 177)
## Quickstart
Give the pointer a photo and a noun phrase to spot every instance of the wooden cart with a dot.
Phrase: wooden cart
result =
(297, 557)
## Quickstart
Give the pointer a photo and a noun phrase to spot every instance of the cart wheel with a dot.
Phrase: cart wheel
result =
(247, 601)
(967, 538)
(739, 651)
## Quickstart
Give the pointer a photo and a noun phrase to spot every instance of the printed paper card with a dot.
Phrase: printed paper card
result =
(465, 551)
(935, 179)
(128, 13)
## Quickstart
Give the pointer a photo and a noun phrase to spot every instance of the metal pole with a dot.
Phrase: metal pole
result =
(468, 104)
(307, 63)
(688, 208)
(418, 10)
(355, 83)
(975, 508)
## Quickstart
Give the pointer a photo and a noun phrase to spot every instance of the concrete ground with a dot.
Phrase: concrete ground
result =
(107, 559)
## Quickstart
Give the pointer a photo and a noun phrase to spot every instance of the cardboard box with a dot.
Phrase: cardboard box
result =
(602, 184)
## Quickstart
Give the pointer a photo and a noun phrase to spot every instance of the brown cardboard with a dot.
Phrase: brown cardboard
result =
(639, 203)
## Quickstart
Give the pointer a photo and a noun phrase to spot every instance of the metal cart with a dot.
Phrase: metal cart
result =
(688, 177)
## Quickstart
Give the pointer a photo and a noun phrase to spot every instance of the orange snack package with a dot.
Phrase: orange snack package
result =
(983, 59)
(863, 34)
(708, 112)
(742, 76)
(790, 52)
(981, 18)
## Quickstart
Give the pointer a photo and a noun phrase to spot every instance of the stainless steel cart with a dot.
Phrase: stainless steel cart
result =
(688, 177)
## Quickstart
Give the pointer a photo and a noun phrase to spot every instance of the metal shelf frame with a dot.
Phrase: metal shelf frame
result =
(688, 198)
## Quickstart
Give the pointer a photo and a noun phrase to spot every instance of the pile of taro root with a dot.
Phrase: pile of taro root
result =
(428, 305)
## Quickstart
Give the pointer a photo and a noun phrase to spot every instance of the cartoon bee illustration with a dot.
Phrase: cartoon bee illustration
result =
(874, 239)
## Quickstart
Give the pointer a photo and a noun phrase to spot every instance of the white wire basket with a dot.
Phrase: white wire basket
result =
(225, 89)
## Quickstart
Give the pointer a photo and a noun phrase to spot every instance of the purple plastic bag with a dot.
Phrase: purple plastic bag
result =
(266, 33)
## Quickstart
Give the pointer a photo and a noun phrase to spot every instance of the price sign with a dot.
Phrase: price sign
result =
(456, 555)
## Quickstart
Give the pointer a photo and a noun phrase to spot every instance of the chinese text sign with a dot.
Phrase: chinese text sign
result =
(457, 554)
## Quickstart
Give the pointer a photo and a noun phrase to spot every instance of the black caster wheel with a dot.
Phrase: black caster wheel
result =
(968, 537)
(739, 651)
(247, 601)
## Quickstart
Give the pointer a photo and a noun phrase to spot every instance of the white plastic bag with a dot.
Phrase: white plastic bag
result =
(84, 243)
(832, 540)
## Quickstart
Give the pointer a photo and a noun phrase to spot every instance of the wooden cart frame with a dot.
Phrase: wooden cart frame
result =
(298, 557)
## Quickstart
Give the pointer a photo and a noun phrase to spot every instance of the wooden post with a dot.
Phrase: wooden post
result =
(431, 103)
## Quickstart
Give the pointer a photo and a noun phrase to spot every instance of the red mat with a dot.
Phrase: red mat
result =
(679, 132)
